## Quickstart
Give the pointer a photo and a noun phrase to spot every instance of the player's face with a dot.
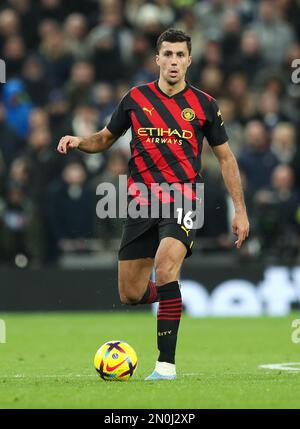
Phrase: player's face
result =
(173, 60)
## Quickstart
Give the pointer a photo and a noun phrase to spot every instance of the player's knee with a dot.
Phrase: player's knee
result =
(129, 299)
(128, 296)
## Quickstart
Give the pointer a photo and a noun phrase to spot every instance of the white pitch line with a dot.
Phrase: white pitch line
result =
(24, 376)
(47, 376)
(282, 366)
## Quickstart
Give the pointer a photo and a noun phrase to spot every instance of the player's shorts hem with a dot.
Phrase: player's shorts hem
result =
(142, 240)
(187, 245)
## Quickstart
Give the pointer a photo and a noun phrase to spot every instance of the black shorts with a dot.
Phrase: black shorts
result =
(141, 237)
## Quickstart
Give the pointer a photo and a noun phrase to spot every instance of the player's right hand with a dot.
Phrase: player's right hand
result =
(68, 142)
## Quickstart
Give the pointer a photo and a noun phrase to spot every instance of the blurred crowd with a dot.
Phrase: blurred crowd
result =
(68, 64)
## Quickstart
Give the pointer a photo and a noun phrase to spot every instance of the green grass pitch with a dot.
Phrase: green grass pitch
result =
(47, 362)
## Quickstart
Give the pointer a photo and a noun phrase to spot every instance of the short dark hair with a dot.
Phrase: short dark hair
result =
(172, 35)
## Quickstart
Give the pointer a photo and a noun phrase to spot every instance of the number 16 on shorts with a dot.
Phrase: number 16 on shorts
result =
(191, 215)
(185, 219)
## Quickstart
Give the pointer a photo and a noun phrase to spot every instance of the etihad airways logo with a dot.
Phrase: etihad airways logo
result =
(161, 132)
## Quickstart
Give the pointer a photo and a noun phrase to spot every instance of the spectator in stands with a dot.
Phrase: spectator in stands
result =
(19, 174)
(28, 17)
(38, 118)
(231, 37)
(110, 229)
(269, 110)
(43, 163)
(248, 58)
(210, 15)
(51, 9)
(211, 81)
(71, 209)
(214, 233)
(275, 35)
(153, 16)
(277, 214)
(79, 87)
(85, 122)
(46, 28)
(14, 52)
(188, 23)
(19, 226)
(283, 142)
(17, 106)
(151, 20)
(59, 113)
(10, 143)
(9, 24)
(140, 51)
(35, 80)
(110, 43)
(147, 73)
(256, 160)
(233, 127)
(238, 91)
(103, 98)
(56, 58)
(76, 30)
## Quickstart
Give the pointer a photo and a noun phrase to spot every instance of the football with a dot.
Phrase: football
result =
(115, 361)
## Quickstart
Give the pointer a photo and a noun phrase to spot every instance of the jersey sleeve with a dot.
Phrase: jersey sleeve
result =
(214, 129)
(120, 119)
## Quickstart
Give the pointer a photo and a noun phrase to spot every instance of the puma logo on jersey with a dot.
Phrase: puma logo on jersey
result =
(148, 110)
(162, 334)
(185, 230)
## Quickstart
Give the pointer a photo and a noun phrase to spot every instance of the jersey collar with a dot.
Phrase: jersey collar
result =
(171, 96)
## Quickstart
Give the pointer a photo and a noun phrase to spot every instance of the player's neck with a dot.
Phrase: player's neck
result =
(171, 90)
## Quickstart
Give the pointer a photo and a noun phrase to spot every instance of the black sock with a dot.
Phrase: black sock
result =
(150, 295)
(168, 318)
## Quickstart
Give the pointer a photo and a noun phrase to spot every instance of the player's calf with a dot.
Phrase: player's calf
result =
(134, 285)
(168, 319)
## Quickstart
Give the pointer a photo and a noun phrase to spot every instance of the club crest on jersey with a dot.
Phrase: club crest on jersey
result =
(188, 114)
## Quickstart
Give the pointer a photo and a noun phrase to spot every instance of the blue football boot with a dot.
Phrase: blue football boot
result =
(157, 376)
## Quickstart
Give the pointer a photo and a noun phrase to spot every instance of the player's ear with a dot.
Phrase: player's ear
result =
(157, 59)
(190, 61)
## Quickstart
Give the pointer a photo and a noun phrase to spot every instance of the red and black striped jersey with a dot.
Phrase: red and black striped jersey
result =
(167, 132)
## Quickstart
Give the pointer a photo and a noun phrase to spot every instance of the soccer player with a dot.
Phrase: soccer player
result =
(169, 119)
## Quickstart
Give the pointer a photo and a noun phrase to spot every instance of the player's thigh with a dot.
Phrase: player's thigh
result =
(133, 276)
(168, 260)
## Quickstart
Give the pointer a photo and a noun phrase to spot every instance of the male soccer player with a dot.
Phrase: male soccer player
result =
(169, 119)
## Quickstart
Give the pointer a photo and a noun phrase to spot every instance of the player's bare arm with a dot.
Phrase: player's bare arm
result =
(97, 142)
(232, 179)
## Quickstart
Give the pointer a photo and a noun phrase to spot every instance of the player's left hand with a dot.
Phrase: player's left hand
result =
(240, 227)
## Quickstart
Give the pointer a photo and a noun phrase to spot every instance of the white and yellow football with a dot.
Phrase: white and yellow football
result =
(115, 361)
